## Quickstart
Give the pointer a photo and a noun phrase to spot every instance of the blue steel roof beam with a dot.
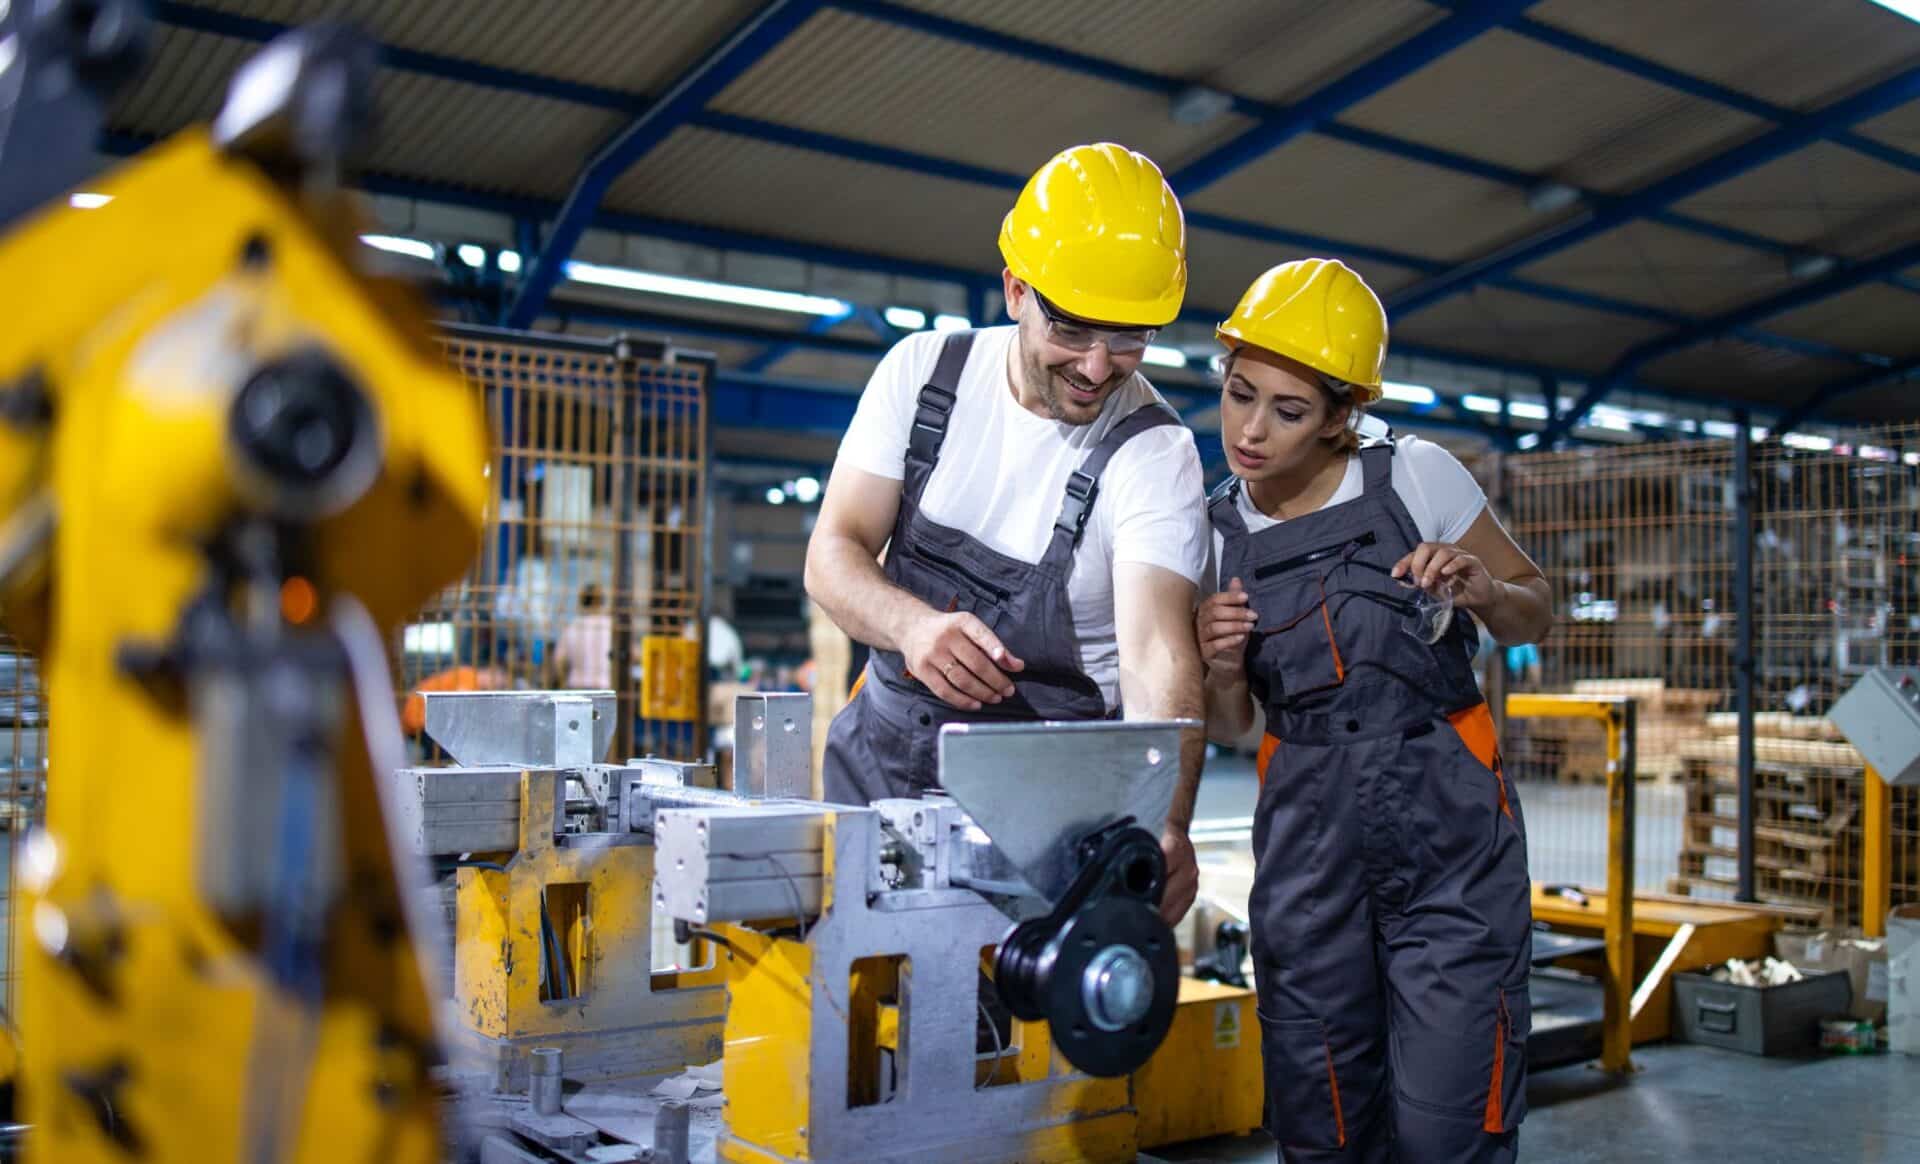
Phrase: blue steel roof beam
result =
(1724, 324)
(1818, 401)
(1802, 131)
(716, 238)
(537, 85)
(1659, 74)
(1470, 18)
(685, 98)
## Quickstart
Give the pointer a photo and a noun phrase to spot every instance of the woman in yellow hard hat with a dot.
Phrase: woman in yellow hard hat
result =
(1390, 907)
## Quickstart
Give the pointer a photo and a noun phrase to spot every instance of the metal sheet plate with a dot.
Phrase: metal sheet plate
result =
(1037, 787)
(532, 729)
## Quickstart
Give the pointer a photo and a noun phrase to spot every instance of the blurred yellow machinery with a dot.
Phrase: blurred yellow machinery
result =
(230, 465)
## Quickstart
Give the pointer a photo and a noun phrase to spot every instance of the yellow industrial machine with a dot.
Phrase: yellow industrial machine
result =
(230, 465)
(951, 978)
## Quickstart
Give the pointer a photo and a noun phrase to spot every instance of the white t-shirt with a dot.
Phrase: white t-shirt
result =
(1439, 492)
(1002, 475)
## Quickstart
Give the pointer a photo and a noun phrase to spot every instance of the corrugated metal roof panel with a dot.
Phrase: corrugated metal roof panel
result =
(617, 44)
(1899, 129)
(1872, 318)
(1272, 51)
(1737, 371)
(827, 368)
(484, 139)
(732, 182)
(1790, 52)
(1515, 102)
(1508, 325)
(858, 78)
(442, 131)
(1823, 196)
(1221, 267)
(1326, 187)
(1679, 271)
(1877, 405)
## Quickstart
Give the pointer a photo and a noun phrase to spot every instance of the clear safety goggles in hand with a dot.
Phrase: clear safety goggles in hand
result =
(1075, 336)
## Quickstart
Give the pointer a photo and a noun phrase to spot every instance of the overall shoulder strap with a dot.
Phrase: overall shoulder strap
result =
(1223, 507)
(934, 408)
(1376, 467)
(1083, 484)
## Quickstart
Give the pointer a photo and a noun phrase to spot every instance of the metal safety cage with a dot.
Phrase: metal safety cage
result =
(1734, 588)
(23, 768)
(594, 568)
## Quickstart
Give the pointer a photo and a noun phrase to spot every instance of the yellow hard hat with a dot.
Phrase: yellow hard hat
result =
(1099, 233)
(1317, 311)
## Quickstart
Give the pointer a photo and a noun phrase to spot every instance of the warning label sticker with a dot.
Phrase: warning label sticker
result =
(1226, 1024)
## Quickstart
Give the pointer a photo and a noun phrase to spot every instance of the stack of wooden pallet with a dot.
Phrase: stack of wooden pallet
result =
(1808, 804)
(1666, 719)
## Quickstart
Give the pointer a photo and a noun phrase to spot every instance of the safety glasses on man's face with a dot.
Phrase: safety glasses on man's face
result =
(1075, 336)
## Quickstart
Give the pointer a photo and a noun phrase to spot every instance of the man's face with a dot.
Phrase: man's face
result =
(1053, 379)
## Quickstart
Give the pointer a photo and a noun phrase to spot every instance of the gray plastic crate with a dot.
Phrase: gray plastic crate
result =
(1760, 1020)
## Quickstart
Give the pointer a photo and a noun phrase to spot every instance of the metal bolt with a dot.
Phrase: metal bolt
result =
(1116, 988)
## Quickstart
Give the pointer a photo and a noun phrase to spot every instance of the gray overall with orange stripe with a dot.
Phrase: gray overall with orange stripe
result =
(1390, 907)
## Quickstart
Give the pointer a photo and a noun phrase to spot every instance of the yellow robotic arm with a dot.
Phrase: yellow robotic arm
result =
(230, 466)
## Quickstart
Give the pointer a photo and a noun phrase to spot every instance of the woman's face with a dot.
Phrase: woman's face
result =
(1274, 414)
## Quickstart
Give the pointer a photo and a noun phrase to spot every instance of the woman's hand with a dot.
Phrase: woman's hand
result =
(1223, 623)
(1442, 567)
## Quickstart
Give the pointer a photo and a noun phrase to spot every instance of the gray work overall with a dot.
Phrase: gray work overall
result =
(882, 743)
(1391, 905)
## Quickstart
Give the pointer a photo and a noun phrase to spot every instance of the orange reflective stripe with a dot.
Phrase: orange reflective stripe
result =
(1475, 726)
(859, 681)
(1496, 1118)
(1269, 744)
(1333, 1082)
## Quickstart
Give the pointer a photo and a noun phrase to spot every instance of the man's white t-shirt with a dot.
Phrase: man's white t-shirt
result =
(1439, 492)
(1002, 475)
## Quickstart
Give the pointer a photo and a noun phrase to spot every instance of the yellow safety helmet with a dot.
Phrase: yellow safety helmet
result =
(1099, 233)
(1317, 311)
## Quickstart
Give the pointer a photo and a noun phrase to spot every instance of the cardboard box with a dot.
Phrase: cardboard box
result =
(1863, 959)
(1903, 979)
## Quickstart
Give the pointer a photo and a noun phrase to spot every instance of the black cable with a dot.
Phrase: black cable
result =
(465, 863)
(684, 932)
(799, 902)
(994, 1030)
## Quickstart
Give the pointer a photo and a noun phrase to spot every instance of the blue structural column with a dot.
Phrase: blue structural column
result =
(686, 98)
(1409, 56)
(1743, 665)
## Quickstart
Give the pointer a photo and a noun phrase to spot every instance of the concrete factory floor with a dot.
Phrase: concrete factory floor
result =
(1697, 1103)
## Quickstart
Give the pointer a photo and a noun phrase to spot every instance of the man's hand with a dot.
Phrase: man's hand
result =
(1224, 622)
(1183, 874)
(959, 659)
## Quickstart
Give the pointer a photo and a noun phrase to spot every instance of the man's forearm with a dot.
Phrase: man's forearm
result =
(1172, 690)
(844, 578)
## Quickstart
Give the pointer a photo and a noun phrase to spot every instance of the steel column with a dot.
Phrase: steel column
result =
(1743, 662)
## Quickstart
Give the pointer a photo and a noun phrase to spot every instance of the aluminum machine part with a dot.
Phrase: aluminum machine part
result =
(855, 950)
(555, 934)
(773, 745)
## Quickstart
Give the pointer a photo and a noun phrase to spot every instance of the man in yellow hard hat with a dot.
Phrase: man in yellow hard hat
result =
(1040, 506)
(1390, 904)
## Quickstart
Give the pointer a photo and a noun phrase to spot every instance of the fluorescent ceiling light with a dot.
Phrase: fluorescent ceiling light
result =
(1529, 440)
(394, 244)
(1609, 418)
(1757, 433)
(652, 283)
(1720, 428)
(951, 323)
(1642, 416)
(1481, 404)
(776, 496)
(806, 490)
(86, 201)
(1165, 357)
(1409, 393)
(1911, 458)
(473, 256)
(906, 318)
(1875, 453)
(428, 638)
(509, 262)
(1907, 8)
(1528, 410)
(1800, 440)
